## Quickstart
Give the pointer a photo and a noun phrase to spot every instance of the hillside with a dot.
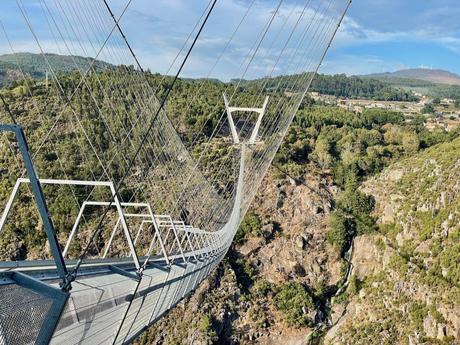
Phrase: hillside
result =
(395, 86)
(291, 256)
(435, 76)
(36, 66)
(407, 277)
(343, 86)
(237, 305)
(285, 280)
(405, 281)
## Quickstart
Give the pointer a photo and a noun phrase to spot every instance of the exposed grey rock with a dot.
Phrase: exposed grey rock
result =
(300, 243)
(268, 230)
(280, 199)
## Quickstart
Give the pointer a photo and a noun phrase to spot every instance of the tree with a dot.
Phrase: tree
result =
(354, 215)
(410, 141)
(428, 109)
(322, 154)
(338, 229)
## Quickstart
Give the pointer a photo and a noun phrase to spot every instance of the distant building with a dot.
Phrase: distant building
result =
(358, 109)
(447, 101)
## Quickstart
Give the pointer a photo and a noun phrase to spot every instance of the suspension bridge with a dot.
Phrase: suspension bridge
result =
(148, 213)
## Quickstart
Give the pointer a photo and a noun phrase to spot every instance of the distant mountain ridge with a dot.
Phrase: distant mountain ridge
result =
(13, 66)
(436, 76)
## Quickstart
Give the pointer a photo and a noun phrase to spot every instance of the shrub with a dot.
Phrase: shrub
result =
(251, 225)
(354, 285)
(380, 244)
(449, 260)
(262, 288)
(398, 264)
(294, 302)
(205, 326)
(417, 312)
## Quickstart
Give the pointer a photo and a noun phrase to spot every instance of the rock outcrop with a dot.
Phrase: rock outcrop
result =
(292, 247)
(405, 281)
(409, 273)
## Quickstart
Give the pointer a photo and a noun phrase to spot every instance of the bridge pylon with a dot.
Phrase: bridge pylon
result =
(255, 131)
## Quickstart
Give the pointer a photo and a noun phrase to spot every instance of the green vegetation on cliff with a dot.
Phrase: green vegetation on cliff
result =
(412, 292)
(294, 302)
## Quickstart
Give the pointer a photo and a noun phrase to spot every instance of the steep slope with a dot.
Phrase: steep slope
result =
(256, 297)
(406, 283)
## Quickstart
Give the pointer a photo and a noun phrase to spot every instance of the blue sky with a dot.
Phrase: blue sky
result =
(376, 35)
(386, 35)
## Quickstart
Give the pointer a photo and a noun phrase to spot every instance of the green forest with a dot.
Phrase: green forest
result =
(343, 86)
(35, 66)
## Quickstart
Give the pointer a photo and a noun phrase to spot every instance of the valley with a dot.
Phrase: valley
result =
(229, 172)
(354, 224)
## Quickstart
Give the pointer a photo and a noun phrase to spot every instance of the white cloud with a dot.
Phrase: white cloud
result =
(157, 31)
(358, 65)
(352, 33)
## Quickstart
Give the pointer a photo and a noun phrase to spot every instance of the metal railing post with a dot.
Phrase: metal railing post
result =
(41, 202)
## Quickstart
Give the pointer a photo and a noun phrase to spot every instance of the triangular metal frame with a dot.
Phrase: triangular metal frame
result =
(255, 131)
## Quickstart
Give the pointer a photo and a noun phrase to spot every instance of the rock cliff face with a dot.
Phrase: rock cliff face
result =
(407, 277)
(300, 250)
(405, 281)
(232, 306)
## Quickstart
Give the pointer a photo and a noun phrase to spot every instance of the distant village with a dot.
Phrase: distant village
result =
(445, 114)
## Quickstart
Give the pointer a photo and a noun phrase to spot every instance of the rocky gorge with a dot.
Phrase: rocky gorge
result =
(403, 286)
